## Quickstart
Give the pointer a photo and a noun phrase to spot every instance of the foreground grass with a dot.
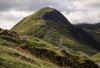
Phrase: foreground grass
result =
(11, 58)
(16, 52)
(96, 58)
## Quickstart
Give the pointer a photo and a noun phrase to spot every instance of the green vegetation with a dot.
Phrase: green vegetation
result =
(51, 26)
(34, 52)
(46, 39)
(96, 58)
(93, 29)
(11, 58)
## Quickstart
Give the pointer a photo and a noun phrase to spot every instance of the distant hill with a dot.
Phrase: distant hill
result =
(93, 29)
(50, 25)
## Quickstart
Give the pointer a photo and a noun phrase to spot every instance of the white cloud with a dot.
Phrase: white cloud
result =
(10, 18)
(84, 11)
(77, 11)
(90, 16)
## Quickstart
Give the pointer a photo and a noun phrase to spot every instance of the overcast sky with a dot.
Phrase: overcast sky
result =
(76, 11)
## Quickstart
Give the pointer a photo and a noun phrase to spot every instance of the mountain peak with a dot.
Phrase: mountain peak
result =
(48, 13)
(51, 26)
(47, 9)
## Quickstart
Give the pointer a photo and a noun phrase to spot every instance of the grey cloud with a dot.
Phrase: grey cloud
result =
(5, 5)
(95, 5)
(75, 10)
(23, 5)
(33, 5)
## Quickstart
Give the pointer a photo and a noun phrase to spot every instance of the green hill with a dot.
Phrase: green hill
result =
(11, 58)
(18, 51)
(93, 29)
(50, 25)
(96, 58)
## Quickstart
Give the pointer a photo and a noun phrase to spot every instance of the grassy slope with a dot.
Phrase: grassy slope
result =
(52, 35)
(11, 58)
(96, 58)
(93, 29)
(20, 50)
(50, 32)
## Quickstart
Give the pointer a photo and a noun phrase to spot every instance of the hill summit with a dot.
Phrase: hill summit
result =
(51, 26)
(52, 14)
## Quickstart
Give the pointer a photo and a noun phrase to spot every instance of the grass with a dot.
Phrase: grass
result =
(31, 45)
(52, 34)
(93, 29)
(96, 58)
(8, 59)
(38, 49)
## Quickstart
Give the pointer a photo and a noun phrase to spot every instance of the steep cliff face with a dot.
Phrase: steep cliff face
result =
(51, 26)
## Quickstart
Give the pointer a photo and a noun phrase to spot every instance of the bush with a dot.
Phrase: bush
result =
(8, 38)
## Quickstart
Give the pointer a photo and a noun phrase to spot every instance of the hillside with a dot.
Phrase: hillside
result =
(96, 58)
(20, 52)
(93, 29)
(11, 58)
(50, 25)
